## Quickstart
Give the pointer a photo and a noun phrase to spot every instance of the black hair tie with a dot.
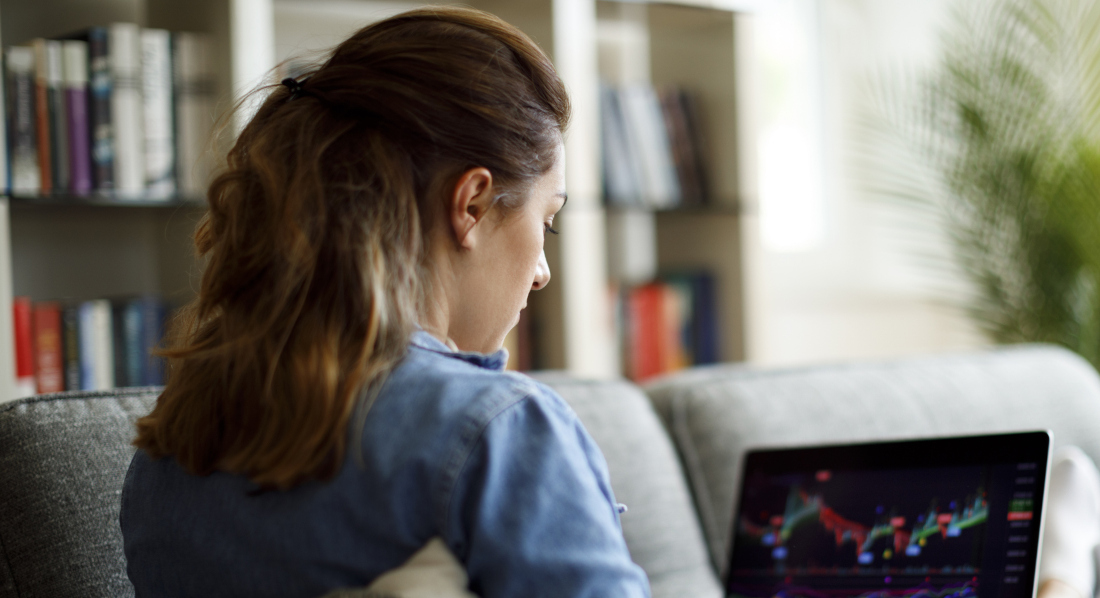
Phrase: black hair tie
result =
(295, 88)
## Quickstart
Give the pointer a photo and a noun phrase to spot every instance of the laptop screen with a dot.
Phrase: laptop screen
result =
(930, 518)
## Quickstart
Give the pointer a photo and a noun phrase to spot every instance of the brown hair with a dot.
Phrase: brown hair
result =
(316, 231)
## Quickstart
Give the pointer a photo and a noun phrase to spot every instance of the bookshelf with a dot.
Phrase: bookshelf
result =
(55, 247)
(692, 47)
(65, 247)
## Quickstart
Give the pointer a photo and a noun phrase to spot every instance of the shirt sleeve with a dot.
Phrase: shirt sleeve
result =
(532, 512)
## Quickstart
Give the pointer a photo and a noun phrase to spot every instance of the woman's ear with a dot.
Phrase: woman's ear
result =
(470, 201)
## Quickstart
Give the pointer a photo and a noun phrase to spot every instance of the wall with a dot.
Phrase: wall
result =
(852, 287)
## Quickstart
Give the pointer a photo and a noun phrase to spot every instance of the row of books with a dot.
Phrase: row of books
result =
(117, 110)
(652, 148)
(669, 324)
(88, 345)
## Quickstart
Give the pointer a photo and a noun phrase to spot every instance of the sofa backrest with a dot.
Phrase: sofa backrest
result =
(715, 414)
(63, 458)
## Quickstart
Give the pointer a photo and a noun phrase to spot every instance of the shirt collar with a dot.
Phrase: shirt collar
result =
(490, 361)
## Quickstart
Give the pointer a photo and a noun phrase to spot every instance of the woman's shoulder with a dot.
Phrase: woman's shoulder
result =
(439, 402)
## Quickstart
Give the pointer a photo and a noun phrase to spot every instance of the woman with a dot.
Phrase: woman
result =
(336, 398)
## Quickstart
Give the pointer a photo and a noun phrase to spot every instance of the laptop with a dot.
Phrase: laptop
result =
(923, 518)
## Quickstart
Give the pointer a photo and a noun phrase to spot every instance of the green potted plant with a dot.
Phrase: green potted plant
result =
(1007, 132)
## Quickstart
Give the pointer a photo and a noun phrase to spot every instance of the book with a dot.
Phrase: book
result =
(193, 76)
(59, 130)
(620, 176)
(97, 369)
(5, 183)
(154, 314)
(157, 98)
(70, 340)
(652, 148)
(646, 318)
(679, 322)
(678, 107)
(22, 134)
(42, 116)
(77, 124)
(705, 316)
(649, 136)
(127, 320)
(669, 324)
(127, 113)
(48, 359)
(102, 125)
(25, 385)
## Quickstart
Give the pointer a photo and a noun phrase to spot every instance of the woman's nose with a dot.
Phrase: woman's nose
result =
(542, 273)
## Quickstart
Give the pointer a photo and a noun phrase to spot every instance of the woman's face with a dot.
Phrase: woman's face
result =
(505, 265)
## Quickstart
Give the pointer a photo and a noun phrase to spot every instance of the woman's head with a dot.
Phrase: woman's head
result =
(319, 234)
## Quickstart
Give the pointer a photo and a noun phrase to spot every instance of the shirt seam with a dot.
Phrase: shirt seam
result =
(475, 440)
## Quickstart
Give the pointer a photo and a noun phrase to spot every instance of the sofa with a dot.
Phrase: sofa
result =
(673, 449)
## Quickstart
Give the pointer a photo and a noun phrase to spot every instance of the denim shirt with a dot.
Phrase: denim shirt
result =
(495, 464)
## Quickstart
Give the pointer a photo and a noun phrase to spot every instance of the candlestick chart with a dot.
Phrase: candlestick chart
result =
(821, 530)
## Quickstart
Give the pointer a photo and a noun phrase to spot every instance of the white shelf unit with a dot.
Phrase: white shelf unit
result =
(49, 251)
(695, 44)
(58, 248)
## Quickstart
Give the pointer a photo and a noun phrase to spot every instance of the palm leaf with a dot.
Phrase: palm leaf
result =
(1007, 132)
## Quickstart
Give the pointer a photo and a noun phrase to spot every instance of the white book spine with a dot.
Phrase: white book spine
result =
(160, 155)
(103, 345)
(620, 180)
(86, 324)
(25, 177)
(646, 124)
(124, 45)
(193, 76)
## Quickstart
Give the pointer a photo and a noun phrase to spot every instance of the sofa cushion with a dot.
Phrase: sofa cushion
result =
(62, 463)
(661, 527)
(714, 414)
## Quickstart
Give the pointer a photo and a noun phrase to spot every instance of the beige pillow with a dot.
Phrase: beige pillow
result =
(433, 572)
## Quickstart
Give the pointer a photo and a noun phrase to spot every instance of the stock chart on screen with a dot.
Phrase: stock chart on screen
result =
(914, 531)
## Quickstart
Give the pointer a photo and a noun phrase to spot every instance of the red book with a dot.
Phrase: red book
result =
(674, 318)
(42, 115)
(647, 336)
(49, 368)
(24, 347)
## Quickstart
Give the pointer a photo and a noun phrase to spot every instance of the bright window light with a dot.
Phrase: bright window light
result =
(792, 199)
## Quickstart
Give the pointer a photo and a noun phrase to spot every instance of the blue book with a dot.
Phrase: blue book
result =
(126, 319)
(706, 320)
(102, 123)
(153, 313)
(70, 338)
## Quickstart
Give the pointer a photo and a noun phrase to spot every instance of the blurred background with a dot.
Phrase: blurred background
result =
(777, 182)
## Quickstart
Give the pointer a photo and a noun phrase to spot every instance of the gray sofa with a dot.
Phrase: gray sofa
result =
(673, 449)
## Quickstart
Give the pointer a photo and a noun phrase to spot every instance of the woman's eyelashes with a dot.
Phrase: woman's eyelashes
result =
(550, 229)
